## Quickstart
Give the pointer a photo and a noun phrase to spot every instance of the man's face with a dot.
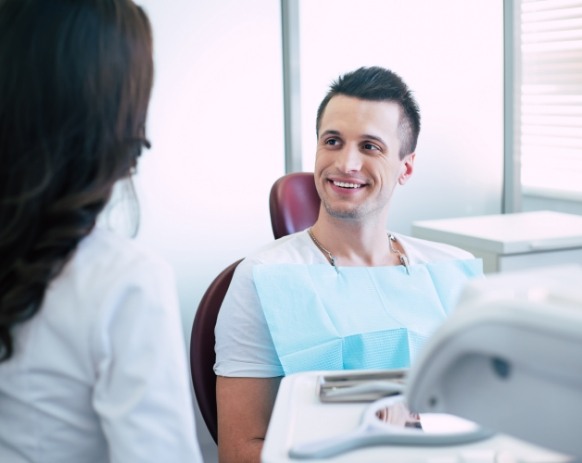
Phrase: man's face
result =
(357, 163)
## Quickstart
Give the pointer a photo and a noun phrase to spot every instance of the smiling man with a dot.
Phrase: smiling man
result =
(360, 160)
(348, 293)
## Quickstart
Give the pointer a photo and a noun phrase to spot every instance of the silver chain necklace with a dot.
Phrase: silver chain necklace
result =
(391, 240)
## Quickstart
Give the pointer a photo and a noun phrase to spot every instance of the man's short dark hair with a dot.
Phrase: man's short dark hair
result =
(379, 84)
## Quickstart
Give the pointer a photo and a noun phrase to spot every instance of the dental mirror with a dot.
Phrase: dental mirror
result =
(389, 422)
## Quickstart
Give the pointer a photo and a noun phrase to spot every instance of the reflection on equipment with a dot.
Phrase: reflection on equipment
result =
(510, 358)
(388, 422)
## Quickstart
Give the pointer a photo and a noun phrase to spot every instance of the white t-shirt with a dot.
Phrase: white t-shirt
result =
(99, 374)
(244, 347)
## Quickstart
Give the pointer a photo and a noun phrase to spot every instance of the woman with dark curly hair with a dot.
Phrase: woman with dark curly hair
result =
(92, 359)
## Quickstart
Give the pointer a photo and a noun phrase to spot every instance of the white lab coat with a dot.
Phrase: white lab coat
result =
(99, 374)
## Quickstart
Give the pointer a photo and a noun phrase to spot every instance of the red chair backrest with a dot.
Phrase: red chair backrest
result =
(293, 203)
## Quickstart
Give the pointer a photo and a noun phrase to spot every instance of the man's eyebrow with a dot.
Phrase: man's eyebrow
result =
(329, 132)
(373, 137)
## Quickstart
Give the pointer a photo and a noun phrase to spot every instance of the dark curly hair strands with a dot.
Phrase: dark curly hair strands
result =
(73, 105)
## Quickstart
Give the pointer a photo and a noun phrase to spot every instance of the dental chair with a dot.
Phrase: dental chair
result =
(510, 358)
(202, 355)
(293, 203)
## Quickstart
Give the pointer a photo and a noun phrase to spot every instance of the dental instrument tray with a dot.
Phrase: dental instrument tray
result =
(360, 386)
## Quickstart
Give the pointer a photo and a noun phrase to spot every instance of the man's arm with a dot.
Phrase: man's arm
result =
(244, 410)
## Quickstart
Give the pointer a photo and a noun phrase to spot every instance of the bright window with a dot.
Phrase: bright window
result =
(550, 115)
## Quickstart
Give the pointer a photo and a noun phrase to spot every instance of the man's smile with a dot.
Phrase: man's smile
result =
(347, 184)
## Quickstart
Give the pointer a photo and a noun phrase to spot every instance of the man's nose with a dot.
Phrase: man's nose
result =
(349, 159)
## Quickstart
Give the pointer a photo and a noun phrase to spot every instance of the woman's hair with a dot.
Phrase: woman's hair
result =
(75, 82)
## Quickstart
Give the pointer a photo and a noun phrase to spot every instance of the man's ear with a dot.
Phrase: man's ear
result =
(407, 168)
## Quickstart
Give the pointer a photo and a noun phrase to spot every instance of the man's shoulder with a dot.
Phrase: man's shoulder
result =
(296, 248)
(423, 251)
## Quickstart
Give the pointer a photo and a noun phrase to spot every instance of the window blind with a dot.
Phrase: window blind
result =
(550, 115)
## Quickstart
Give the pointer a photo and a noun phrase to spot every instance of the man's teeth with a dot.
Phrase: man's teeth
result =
(347, 185)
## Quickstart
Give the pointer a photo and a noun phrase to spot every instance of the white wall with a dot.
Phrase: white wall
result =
(216, 128)
(450, 53)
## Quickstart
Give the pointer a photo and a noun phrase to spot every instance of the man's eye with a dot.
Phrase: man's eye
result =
(332, 141)
(370, 146)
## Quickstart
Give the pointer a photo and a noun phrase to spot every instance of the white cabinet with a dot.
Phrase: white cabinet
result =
(511, 241)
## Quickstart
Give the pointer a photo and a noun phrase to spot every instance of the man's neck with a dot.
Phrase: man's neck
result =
(354, 243)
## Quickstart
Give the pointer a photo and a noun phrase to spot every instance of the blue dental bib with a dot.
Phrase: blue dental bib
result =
(357, 317)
